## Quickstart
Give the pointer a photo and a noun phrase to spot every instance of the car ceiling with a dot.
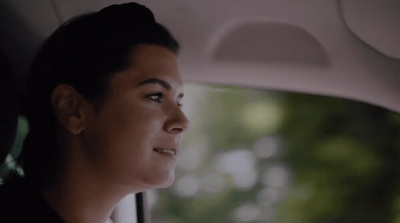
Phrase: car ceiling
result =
(348, 49)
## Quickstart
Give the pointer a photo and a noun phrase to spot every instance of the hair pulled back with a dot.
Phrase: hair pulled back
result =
(84, 52)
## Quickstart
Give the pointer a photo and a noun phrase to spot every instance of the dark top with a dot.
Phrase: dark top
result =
(20, 202)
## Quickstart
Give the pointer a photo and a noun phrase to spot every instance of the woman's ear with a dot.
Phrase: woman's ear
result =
(68, 107)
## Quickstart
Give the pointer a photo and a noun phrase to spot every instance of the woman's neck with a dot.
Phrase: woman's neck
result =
(78, 196)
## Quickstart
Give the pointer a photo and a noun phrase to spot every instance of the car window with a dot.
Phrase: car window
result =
(263, 156)
(11, 160)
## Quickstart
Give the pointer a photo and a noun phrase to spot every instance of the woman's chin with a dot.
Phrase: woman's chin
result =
(160, 182)
(167, 182)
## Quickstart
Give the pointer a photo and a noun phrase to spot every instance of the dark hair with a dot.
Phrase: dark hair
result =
(85, 52)
(9, 107)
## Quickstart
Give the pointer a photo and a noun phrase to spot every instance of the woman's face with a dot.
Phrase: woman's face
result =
(136, 135)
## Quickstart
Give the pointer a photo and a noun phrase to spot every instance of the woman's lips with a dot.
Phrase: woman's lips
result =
(166, 151)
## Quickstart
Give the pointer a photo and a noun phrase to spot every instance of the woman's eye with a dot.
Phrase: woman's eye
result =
(156, 97)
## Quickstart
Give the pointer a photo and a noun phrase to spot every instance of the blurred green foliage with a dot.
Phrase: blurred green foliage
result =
(348, 153)
(343, 158)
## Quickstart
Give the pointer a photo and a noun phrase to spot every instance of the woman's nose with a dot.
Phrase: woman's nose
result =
(178, 122)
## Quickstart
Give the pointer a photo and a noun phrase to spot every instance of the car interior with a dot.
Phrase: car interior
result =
(294, 106)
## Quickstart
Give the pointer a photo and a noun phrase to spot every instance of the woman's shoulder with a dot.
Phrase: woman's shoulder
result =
(20, 201)
(13, 190)
(14, 198)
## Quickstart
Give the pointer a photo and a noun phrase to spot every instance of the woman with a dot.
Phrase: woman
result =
(103, 102)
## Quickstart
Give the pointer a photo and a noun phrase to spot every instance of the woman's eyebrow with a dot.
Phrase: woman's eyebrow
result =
(163, 83)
